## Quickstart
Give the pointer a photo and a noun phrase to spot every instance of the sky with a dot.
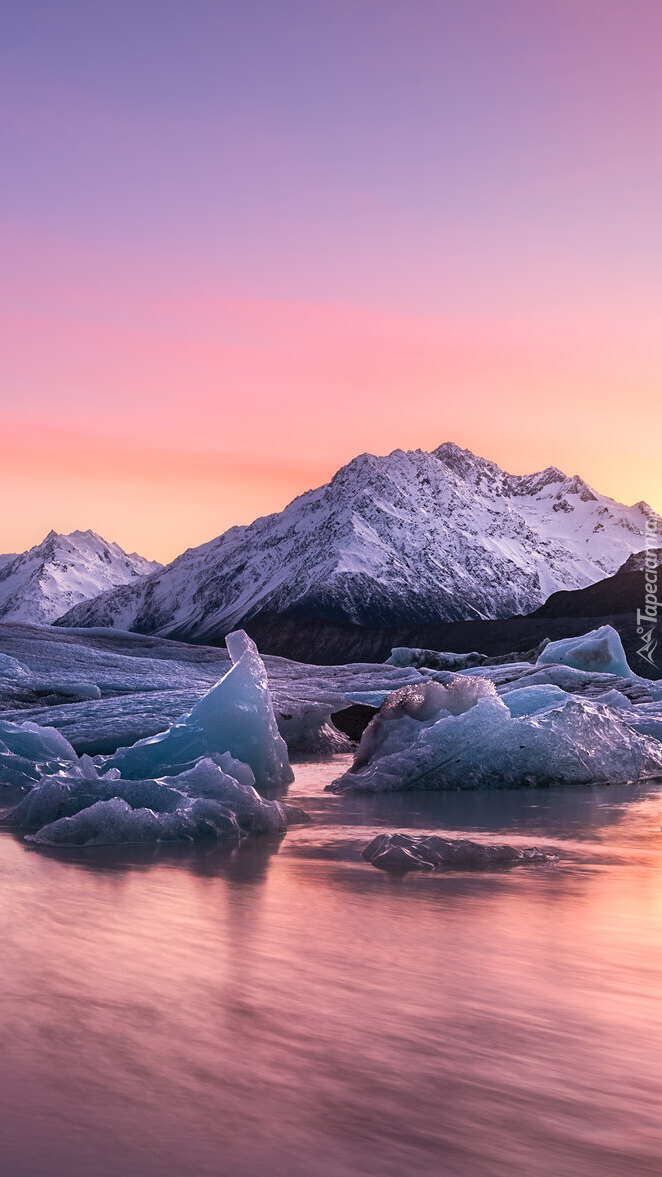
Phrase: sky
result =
(244, 242)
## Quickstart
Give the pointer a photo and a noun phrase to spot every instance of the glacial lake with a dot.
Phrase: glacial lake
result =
(287, 1010)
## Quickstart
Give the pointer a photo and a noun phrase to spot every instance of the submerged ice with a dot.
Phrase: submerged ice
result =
(399, 853)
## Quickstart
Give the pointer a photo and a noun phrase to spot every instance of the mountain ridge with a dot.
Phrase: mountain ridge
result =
(412, 537)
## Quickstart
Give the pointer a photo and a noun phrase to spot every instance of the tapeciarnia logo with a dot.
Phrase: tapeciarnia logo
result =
(647, 617)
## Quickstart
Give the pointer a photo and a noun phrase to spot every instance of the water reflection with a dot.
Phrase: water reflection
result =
(247, 862)
(275, 1011)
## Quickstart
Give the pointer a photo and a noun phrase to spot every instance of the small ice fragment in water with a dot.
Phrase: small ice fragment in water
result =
(399, 853)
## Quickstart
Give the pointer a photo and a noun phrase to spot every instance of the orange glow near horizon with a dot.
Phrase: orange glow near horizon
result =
(158, 497)
(214, 414)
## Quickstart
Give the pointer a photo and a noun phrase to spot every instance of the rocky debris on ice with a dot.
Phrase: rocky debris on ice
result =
(420, 739)
(400, 853)
(449, 660)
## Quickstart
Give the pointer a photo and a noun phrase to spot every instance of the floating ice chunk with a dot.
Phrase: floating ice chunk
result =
(367, 698)
(485, 747)
(235, 716)
(646, 719)
(413, 705)
(402, 656)
(254, 814)
(109, 823)
(532, 700)
(57, 796)
(35, 742)
(307, 727)
(579, 682)
(614, 698)
(84, 808)
(233, 768)
(425, 700)
(600, 651)
(28, 751)
(399, 853)
(504, 672)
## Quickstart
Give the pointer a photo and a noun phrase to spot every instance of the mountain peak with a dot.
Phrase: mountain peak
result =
(39, 585)
(408, 538)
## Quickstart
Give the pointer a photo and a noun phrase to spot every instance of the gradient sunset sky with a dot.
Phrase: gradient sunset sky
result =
(244, 241)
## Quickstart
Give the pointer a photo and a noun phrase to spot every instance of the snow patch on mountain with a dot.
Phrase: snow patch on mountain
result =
(41, 584)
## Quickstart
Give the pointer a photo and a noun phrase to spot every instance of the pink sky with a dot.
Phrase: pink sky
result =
(241, 251)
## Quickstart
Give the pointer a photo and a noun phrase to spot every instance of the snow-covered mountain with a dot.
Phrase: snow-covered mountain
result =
(40, 585)
(412, 537)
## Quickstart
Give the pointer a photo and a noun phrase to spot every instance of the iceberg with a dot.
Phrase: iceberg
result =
(110, 823)
(399, 853)
(308, 729)
(34, 742)
(534, 699)
(600, 651)
(646, 719)
(235, 716)
(403, 656)
(481, 745)
(28, 752)
(367, 698)
(84, 808)
(148, 683)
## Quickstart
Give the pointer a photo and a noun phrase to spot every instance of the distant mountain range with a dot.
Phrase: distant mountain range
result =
(409, 539)
(43, 583)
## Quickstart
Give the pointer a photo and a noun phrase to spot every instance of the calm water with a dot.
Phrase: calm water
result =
(291, 1011)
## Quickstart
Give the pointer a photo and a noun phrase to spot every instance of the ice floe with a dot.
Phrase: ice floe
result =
(600, 651)
(148, 683)
(575, 741)
(84, 807)
(28, 751)
(399, 853)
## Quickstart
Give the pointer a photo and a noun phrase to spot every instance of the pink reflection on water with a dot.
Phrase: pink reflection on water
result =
(279, 1012)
